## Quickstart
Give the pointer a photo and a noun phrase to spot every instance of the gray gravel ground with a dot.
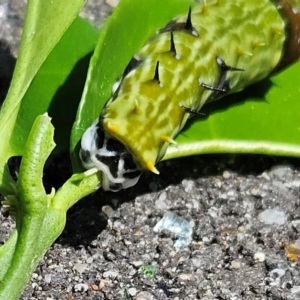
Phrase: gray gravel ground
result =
(244, 209)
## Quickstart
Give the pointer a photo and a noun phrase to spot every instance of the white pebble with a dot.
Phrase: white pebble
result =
(196, 262)
(112, 3)
(132, 291)
(188, 185)
(162, 196)
(275, 276)
(272, 216)
(295, 184)
(255, 191)
(81, 287)
(48, 278)
(35, 285)
(3, 11)
(89, 260)
(144, 296)
(137, 263)
(184, 276)
(226, 174)
(279, 185)
(240, 236)
(110, 274)
(80, 267)
(231, 193)
(277, 273)
(177, 225)
(259, 256)
(295, 289)
(107, 210)
(161, 202)
(265, 176)
(235, 264)
(280, 171)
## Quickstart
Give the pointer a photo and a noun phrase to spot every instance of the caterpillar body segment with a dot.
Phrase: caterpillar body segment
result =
(218, 47)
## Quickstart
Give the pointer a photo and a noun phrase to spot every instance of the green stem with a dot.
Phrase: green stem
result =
(55, 219)
(32, 208)
(40, 218)
(77, 188)
(6, 253)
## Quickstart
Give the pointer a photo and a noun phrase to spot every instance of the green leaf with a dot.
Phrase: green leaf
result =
(58, 77)
(45, 23)
(266, 123)
(131, 24)
(58, 85)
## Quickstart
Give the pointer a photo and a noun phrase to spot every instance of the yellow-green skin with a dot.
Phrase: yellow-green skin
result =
(147, 114)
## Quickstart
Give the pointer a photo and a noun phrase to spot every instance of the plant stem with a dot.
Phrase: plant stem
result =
(40, 218)
(33, 203)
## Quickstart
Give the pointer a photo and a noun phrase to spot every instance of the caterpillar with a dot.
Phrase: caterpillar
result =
(218, 47)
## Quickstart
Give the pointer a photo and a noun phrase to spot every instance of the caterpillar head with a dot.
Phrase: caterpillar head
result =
(99, 150)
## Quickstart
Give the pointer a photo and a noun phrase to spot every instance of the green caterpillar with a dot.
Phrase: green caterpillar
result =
(218, 47)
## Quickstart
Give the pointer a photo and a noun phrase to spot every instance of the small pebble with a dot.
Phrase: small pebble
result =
(161, 203)
(292, 250)
(255, 191)
(112, 3)
(3, 10)
(277, 273)
(295, 289)
(280, 171)
(110, 274)
(89, 260)
(48, 278)
(132, 291)
(137, 263)
(35, 286)
(196, 262)
(240, 236)
(104, 283)
(218, 183)
(188, 185)
(162, 196)
(279, 185)
(94, 287)
(259, 256)
(184, 276)
(295, 184)
(177, 225)
(81, 287)
(235, 264)
(272, 216)
(231, 193)
(110, 213)
(226, 174)
(144, 296)
(79, 267)
(265, 176)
